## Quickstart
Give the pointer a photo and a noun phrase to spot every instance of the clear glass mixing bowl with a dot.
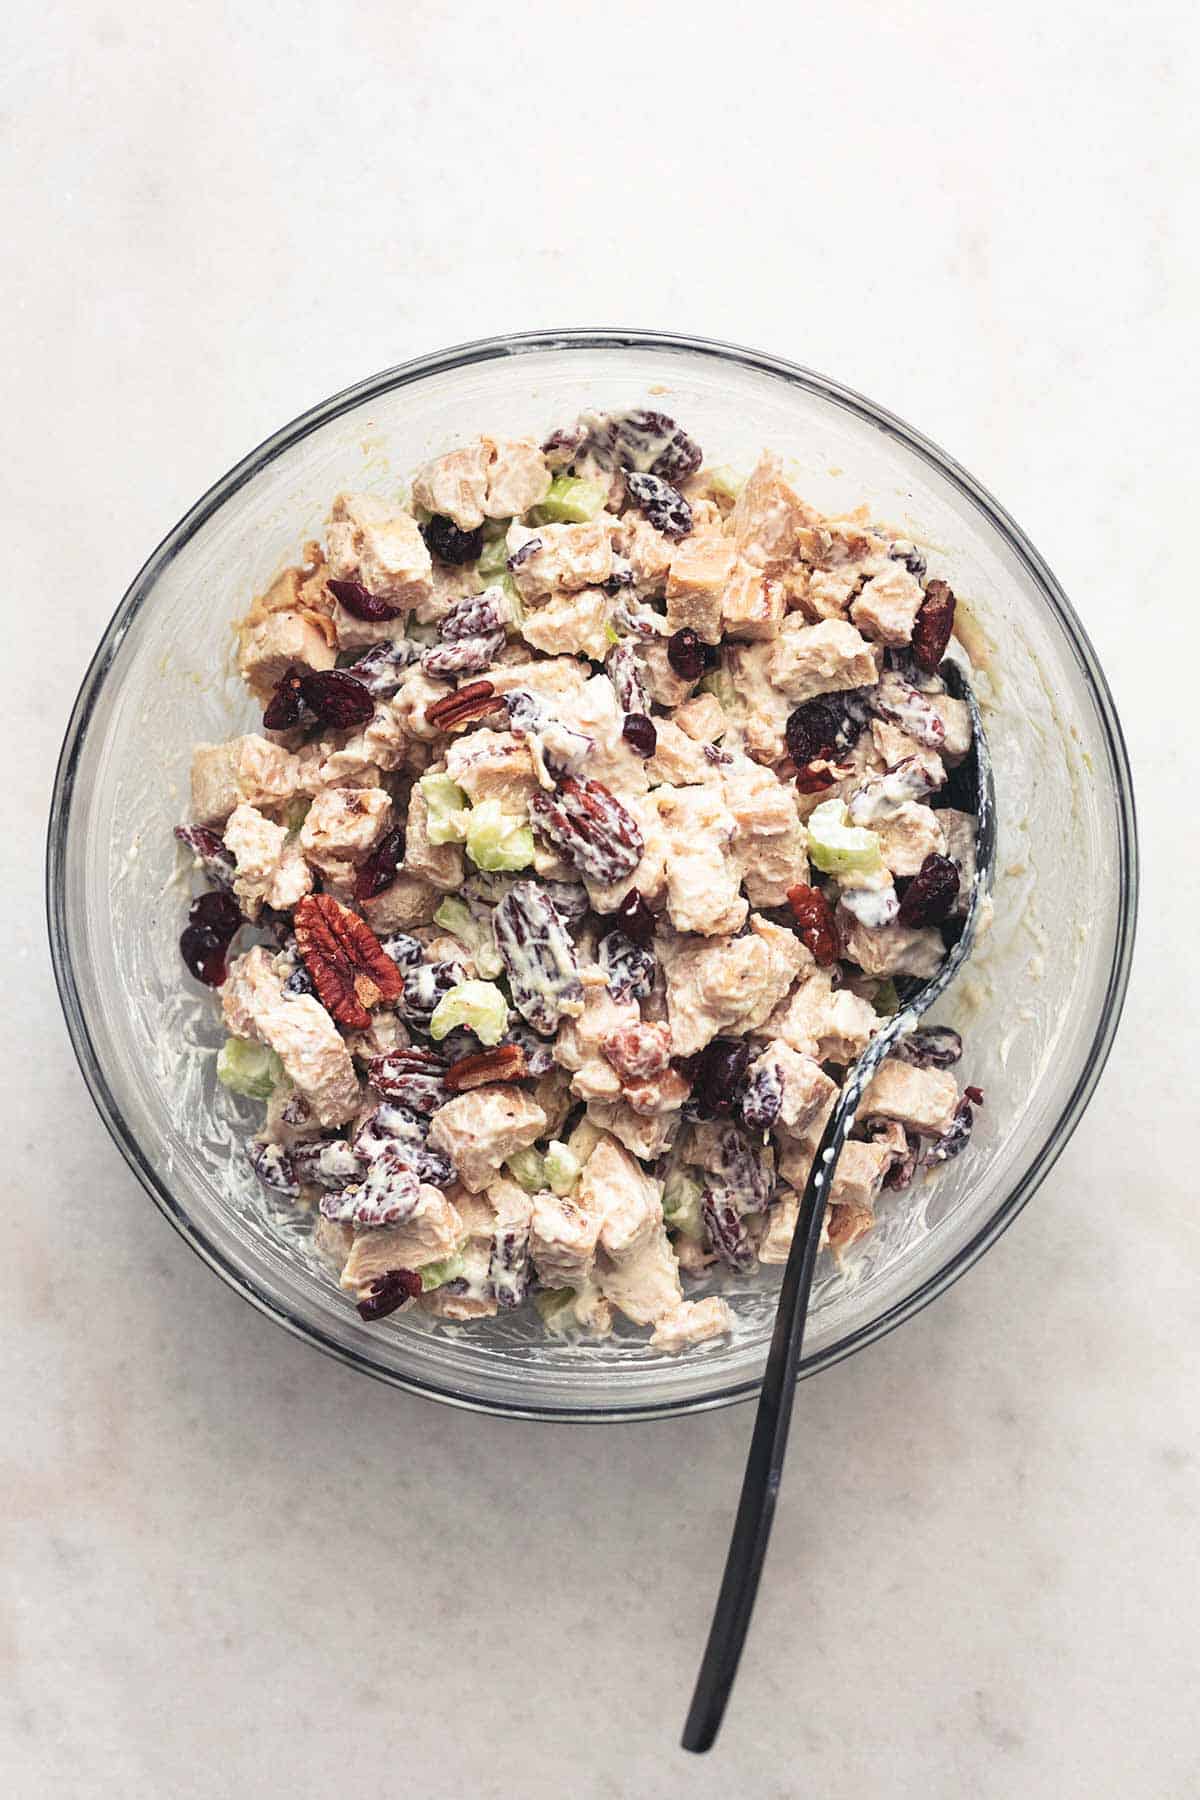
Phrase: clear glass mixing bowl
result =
(1038, 1005)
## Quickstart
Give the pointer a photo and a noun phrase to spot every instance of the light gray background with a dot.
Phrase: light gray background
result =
(230, 1567)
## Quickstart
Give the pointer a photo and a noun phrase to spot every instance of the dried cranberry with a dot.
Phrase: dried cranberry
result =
(216, 861)
(815, 777)
(825, 727)
(218, 910)
(450, 543)
(635, 919)
(722, 1066)
(640, 733)
(388, 1292)
(360, 604)
(955, 1140)
(930, 894)
(337, 697)
(937, 1047)
(286, 705)
(203, 950)
(685, 653)
(379, 870)
(933, 626)
(974, 1095)
(664, 506)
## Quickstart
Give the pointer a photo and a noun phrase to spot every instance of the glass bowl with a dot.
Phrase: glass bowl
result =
(1038, 1005)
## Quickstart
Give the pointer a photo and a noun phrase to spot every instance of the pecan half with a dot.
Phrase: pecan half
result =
(351, 971)
(815, 924)
(933, 626)
(459, 708)
(588, 824)
(505, 1063)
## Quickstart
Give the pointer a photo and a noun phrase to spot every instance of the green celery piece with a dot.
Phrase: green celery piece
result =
(479, 1005)
(726, 481)
(563, 1167)
(493, 558)
(496, 841)
(570, 500)
(887, 1000)
(836, 847)
(245, 1067)
(681, 1203)
(447, 807)
(528, 1170)
(437, 1274)
(455, 915)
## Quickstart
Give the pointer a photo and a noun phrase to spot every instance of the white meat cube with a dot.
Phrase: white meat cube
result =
(702, 718)
(643, 1282)
(560, 558)
(562, 1240)
(960, 829)
(343, 825)
(922, 1099)
(270, 865)
(769, 515)
(571, 624)
(433, 1232)
(700, 570)
(441, 865)
(269, 647)
(891, 949)
(250, 769)
(377, 544)
(693, 1322)
(807, 660)
(768, 840)
(703, 883)
(493, 765)
(886, 609)
(753, 604)
(727, 984)
(580, 1043)
(481, 1129)
(455, 486)
(806, 1089)
(517, 477)
(908, 835)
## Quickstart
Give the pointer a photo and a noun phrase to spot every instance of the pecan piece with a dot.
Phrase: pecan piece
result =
(814, 922)
(934, 624)
(414, 1078)
(539, 957)
(351, 971)
(505, 1063)
(471, 702)
(588, 824)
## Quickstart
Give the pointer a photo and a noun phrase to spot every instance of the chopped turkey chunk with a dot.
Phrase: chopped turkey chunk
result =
(493, 765)
(700, 570)
(378, 545)
(693, 1322)
(299, 1030)
(702, 718)
(922, 1099)
(517, 478)
(562, 1240)
(441, 865)
(580, 1043)
(250, 769)
(481, 1129)
(648, 553)
(908, 835)
(432, 1232)
(725, 984)
(886, 608)
(270, 864)
(271, 646)
(768, 842)
(573, 624)
(891, 949)
(807, 660)
(647, 1137)
(859, 1174)
(343, 825)
(455, 485)
(753, 604)
(643, 1281)
(804, 1087)
(556, 559)
(702, 877)
(769, 515)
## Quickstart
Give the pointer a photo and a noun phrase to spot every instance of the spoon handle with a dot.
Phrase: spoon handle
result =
(760, 1484)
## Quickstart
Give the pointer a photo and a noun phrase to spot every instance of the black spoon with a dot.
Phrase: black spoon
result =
(768, 1446)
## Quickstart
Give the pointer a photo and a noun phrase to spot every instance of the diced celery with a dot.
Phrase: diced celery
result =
(295, 813)
(583, 1140)
(528, 1170)
(475, 931)
(493, 558)
(887, 1000)
(570, 500)
(437, 1274)
(447, 807)
(611, 632)
(681, 1203)
(479, 1005)
(552, 1304)
(497, 841)
(248, 1068)
(724, 480)
(562, 1167)
(837, 847)
(719, 682)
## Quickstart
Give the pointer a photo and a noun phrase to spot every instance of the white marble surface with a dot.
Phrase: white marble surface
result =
(229, 1567)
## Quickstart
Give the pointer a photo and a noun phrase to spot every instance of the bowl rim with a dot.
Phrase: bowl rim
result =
(459, 356)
